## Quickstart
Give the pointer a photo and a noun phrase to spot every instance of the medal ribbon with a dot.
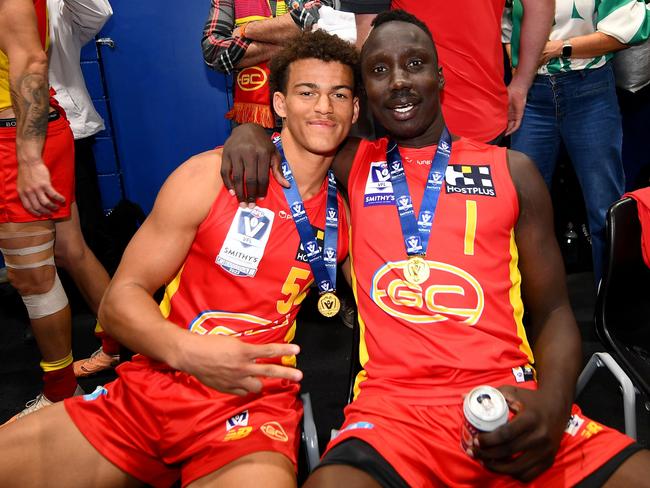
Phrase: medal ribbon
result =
(416, 233)
(323, 265)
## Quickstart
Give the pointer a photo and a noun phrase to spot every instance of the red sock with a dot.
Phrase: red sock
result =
(109, 345)
(59, 384)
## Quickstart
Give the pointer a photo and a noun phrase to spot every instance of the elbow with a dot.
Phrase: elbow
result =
(37, 62)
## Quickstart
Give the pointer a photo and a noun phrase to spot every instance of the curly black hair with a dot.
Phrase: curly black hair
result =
(313, 45)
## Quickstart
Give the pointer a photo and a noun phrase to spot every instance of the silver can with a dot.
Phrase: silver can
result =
(485, 409)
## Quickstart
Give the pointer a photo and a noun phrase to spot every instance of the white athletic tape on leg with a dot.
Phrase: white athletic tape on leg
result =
(25, 251)
(38, 264)
(17, 235)
(39, 306)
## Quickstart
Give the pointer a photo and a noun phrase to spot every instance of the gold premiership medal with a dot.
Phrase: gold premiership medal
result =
(416, 270)
(329, 304)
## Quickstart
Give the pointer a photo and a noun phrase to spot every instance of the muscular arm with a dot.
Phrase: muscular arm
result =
(19, 40)
(130, 314)
(540, 416)
(535, 28)
(554, 332)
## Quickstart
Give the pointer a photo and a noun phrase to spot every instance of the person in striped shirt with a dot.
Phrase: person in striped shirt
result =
(573, 98)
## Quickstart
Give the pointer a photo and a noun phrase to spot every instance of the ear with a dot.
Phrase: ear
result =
(441, 79)
(279, 104)
(355, 109)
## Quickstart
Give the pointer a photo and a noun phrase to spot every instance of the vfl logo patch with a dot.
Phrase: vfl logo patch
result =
(404, 204)
(239, 420)
(253, 225)
(332, 218)
(302, 255)
(413, 244)
(329, 255)
(274, 431)
(426, 219)
(470, 180)
(244, 245)
(379, 189)
(297, 210)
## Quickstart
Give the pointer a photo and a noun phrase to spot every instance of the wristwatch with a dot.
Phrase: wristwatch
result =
(567, 49)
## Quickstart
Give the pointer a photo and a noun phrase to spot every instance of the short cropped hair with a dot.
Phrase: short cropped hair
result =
(402, 16)
(313, 45)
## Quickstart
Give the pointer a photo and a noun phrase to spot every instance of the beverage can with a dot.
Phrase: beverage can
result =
(485, 409)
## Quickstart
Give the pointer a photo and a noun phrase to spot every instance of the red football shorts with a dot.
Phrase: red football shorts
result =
(423, 444)
(159, 425)
(58, 154)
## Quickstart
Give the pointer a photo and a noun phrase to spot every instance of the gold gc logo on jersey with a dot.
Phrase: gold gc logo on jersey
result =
(252, 78)
(275, 431)
(452, 293)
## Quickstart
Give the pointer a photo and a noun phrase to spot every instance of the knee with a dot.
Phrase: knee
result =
(35, 281)
(40, 289)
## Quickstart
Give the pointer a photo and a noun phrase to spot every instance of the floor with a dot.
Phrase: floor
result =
(326, 348)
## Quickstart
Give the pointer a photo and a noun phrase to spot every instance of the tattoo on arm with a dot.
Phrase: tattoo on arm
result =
(30, 99)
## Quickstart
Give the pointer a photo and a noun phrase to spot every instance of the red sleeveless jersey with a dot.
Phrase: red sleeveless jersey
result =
(226, 287)
(432, 342)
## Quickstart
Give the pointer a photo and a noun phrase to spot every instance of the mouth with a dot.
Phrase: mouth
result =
(402, 110)
(324, 123)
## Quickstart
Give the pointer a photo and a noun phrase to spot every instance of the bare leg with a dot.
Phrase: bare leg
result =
(73, 254)
(635, 471)
(336, 475)
(275, 469)
(45, 449)
(53, 331)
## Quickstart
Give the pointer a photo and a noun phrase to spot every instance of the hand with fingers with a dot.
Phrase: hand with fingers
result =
(245, 161)
(525, 446)
(231, 366)
(35, 189)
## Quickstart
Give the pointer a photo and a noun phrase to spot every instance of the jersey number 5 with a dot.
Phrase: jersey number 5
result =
(293, 289)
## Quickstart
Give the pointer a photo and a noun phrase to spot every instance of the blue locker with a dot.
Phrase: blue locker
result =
(165, 104)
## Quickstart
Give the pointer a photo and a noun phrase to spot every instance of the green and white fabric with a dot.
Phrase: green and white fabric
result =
(626, 20)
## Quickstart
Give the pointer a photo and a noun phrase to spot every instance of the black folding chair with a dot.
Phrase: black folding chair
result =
(623, 311)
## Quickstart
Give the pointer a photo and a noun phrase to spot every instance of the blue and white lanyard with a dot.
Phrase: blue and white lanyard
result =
(416, 233)
(323, 265)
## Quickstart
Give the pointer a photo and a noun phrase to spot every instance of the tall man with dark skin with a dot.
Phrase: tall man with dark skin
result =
(421, 351)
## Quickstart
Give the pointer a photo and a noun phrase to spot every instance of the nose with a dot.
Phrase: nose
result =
(323, 104)
(399, 79)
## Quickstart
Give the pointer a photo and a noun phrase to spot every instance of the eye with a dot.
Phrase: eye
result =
(380, 68)
(414, 63)
(305, 93)
(340, 96)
